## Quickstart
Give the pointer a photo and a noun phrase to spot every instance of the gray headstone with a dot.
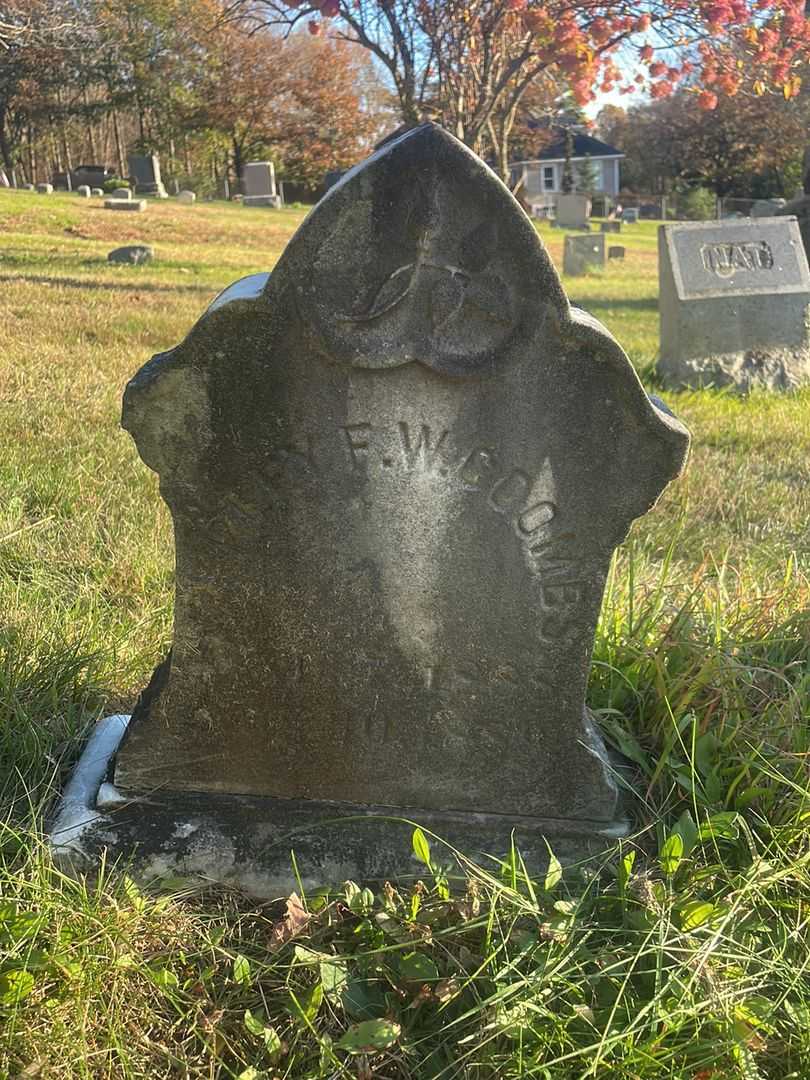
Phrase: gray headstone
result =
(45, 189)
(187, 197)
(800, 209)
(122, 193)
(616, 251)
(766, 207)
(583, 253)
(28, 187)
(97, 193)
(572, 211)
(259, 179)
(630, 215)
(733, 304)
(133, 254)
(135, 205)
(145, 171)
(83, 191)
(611, 226)
(398, 468)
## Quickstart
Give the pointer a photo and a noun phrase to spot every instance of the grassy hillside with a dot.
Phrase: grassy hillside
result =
(691, 962)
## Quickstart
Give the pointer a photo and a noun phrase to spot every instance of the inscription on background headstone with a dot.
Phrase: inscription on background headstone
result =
(398, 468)
(734, 304)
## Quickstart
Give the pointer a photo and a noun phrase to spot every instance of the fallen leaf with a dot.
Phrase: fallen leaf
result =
(291, 924)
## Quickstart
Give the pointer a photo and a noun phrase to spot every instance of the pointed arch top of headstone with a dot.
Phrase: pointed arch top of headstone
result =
(420, 253)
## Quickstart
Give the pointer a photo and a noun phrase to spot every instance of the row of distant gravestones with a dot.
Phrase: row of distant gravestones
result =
(733, 295)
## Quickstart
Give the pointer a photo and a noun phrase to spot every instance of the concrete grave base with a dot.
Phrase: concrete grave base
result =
(771, 369)
(136, 205)
(245, 841)
(262, 200)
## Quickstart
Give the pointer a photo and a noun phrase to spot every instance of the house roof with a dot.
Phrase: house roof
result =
(584, 146)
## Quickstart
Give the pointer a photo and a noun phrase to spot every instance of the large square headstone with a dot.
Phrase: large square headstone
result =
(398, 468)
(573, 210)
(145, 171)
(734, 304)
(259, 183)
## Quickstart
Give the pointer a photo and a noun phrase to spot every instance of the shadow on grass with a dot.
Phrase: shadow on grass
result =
(641, 303)
(114, 286)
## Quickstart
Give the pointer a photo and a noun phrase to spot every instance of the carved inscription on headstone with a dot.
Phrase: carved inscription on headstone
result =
(397, 468)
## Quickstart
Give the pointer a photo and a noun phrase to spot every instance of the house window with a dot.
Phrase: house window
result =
(548, 178)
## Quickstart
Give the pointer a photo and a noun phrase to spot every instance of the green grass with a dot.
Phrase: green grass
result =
(682, 954)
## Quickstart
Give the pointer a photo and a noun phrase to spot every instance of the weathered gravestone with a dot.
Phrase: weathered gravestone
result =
(616, 251)
(187, 197)
(122, 193)
(145, 171)
(398, 468)
(572, 211)
(132, 254)
(97, 192)
(83, 191)
(45, 189)
(259, 182)
(734, 304)
(583, 253)
(630, 215)
(610, 227)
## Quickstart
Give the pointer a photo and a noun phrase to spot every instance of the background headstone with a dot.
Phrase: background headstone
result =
(583, 253)
(800, 209)
(145, 171)
(395, 506)
(83, 191)
(616, 251)
(767, 207)
(28, 187)
(630, 215)
(259, 183)
(186, 197)
(133, 254)
(97, 193)
(121, 193)
(611, 227)
(45, 189)
(572, 211)
(733, 304)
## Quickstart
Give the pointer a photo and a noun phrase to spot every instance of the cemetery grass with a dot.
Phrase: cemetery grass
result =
(683, 953)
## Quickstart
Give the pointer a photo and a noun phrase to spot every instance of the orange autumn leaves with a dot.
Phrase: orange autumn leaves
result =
(714, 47)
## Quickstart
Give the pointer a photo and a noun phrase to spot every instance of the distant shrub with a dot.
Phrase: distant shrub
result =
(116, 182)
(699, 204)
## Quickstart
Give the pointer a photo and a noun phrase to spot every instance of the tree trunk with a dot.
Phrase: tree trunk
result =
(118, 150)
(91, 138)
(238, 159)
(5, 148)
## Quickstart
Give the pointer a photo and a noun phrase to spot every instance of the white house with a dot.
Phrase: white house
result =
(542, 177)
